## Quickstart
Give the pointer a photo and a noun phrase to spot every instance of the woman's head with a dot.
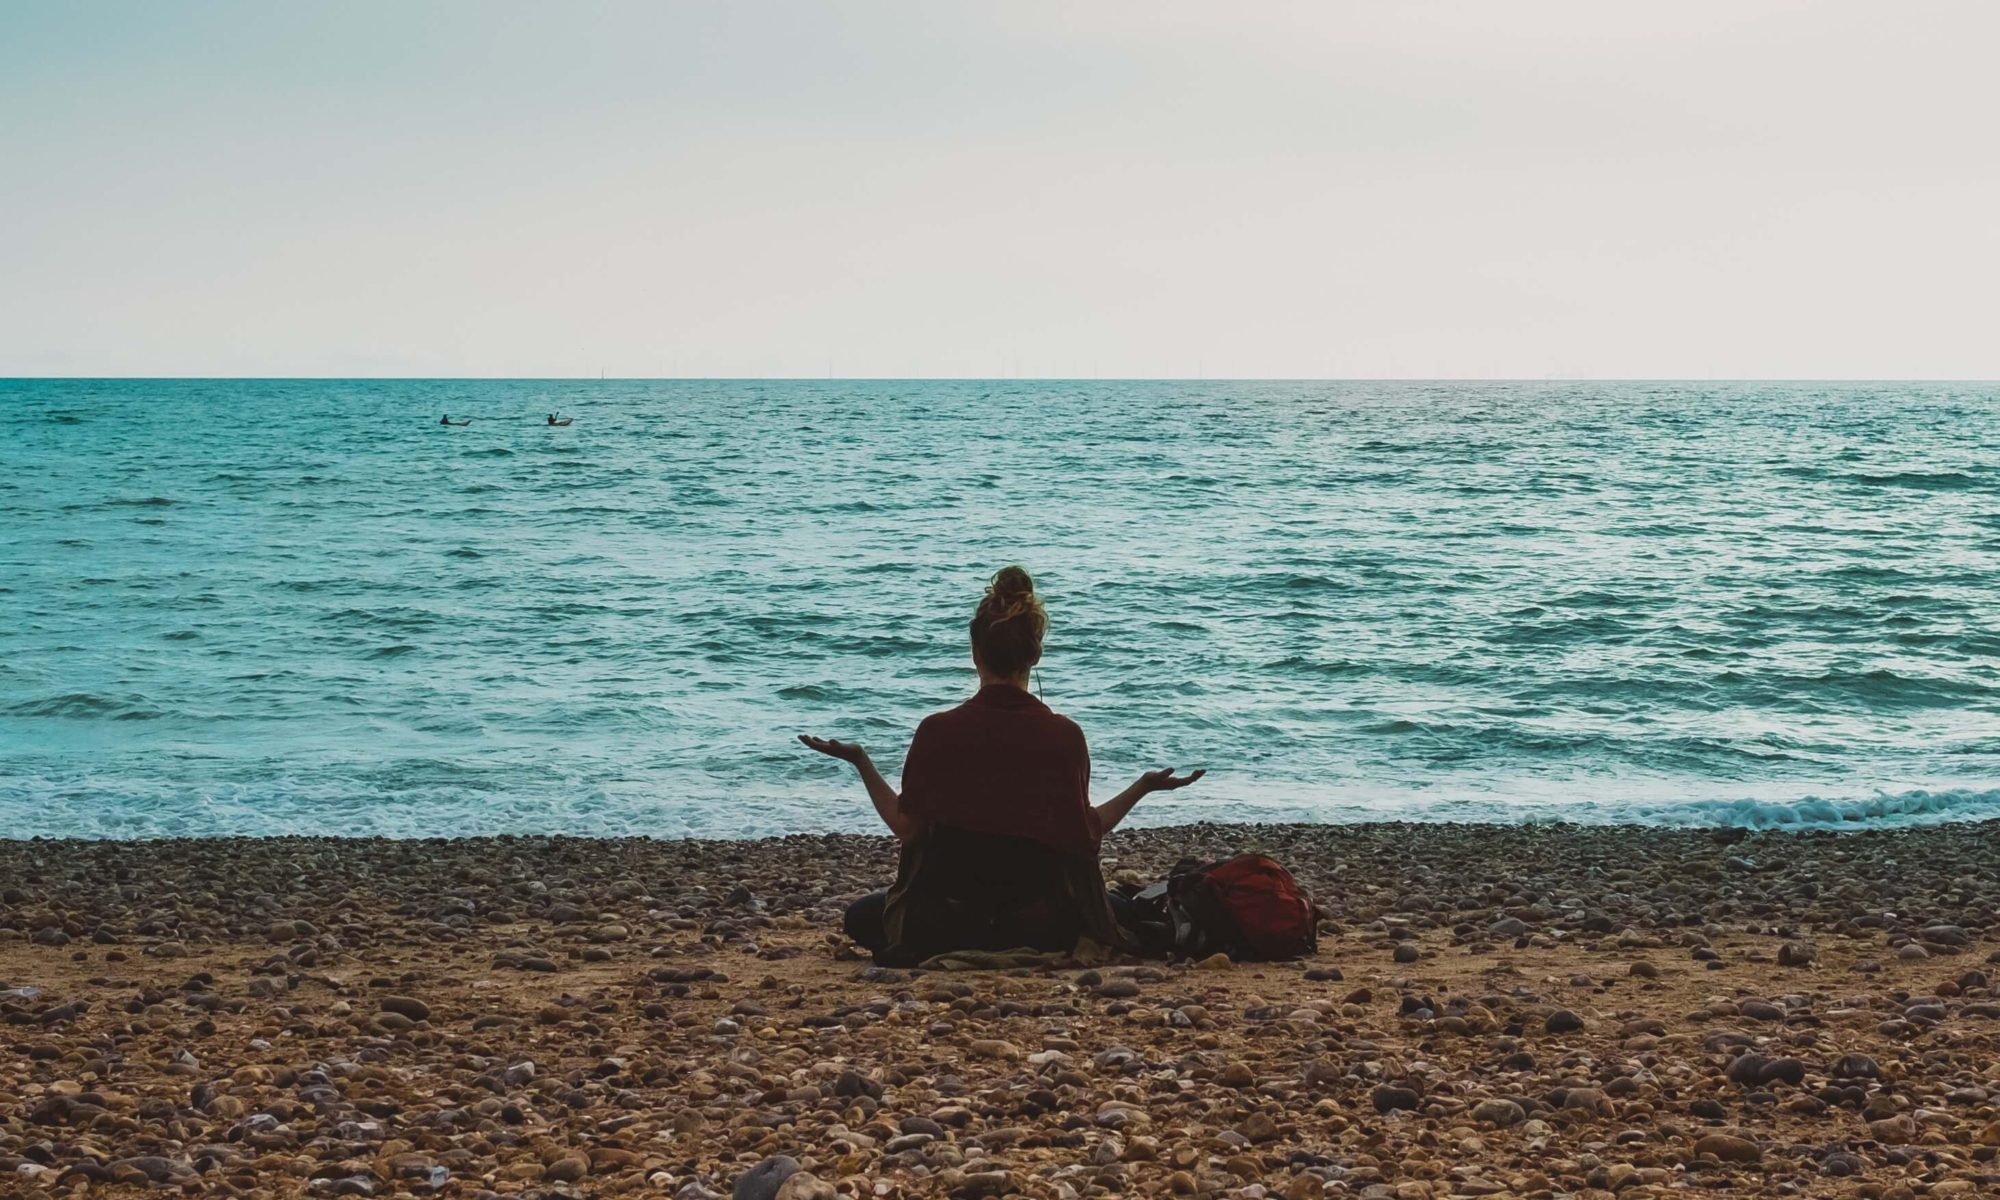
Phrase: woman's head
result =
(1007, 628)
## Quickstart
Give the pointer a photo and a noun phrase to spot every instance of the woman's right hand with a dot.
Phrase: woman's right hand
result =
(847, 752)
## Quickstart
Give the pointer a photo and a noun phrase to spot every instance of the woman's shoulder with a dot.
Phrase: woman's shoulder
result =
(1067, 726)
(942, 721)
(945, 716)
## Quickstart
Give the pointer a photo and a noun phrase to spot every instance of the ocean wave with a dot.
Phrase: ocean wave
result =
(878, 646)
(1589, 804)
(1884, 809)
(85, 706)
(1283, 582)
(1872, 690)
(1295, 664)
(457, 800)
(1925, 481)
(1581, 630)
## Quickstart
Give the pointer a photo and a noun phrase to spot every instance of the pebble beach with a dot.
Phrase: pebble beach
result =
(1494, 1011)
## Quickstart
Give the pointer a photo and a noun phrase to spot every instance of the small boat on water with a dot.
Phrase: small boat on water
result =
(553, 420)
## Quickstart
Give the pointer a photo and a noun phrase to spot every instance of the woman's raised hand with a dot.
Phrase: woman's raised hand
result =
(1164, 779)
(847, 752)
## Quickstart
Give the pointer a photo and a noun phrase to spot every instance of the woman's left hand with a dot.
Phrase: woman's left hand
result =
(1164, 779)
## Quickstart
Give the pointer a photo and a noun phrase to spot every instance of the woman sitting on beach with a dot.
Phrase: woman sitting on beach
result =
(999, 838)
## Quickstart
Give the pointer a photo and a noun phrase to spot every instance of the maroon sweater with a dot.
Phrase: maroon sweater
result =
(1003, 763)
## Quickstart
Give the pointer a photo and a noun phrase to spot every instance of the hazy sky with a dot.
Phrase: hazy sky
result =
(1391, 187)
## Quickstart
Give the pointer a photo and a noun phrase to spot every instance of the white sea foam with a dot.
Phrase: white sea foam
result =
(104, 808)
(1884, 809)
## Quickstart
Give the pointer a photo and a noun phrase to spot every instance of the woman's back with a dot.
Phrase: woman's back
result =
(1003, 764)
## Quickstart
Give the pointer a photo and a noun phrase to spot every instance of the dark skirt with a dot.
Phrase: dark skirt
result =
(957, 890)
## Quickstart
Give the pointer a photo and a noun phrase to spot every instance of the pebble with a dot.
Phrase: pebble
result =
(407, 1006)
(805, 1186)
(1728, 1148)
(762, 1181)
(1504, 1113)
(687, 1018)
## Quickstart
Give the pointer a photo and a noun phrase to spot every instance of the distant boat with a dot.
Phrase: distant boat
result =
(553, 420)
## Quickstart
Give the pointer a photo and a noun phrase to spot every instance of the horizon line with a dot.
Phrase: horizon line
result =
(998, 379)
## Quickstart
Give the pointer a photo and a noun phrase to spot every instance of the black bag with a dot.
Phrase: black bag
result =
(1146, 918)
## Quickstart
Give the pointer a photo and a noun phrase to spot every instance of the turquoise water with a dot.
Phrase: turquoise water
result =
(302, 606)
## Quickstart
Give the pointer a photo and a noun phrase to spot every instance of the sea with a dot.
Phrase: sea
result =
(307, 607)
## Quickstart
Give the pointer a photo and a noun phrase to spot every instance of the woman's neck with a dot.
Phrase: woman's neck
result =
(988, 679)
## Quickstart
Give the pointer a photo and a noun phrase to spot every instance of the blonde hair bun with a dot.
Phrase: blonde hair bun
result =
(1007, 629)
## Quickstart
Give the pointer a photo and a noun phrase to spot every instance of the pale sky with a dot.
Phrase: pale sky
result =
(1529, 188)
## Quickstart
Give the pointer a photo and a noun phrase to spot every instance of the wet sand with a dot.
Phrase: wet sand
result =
(1494, 1011)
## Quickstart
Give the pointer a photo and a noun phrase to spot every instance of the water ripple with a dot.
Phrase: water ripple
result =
(1682, 603)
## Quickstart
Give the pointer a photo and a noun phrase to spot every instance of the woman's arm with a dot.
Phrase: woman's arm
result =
(1107, 815)
(888, 805)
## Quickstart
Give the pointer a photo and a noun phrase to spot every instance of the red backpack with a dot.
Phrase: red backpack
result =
(1247, 907)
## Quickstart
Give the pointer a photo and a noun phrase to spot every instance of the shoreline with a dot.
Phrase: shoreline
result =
(1844, 826)
(1495, 1010)
(77, 811)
